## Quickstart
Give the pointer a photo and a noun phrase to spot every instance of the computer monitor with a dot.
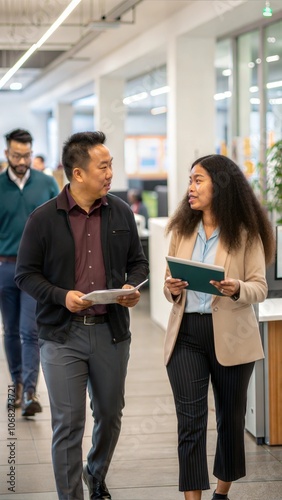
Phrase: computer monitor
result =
(274, 271)
(120, 194)
(278, 260)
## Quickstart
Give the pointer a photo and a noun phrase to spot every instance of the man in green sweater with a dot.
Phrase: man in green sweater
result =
(22, 189)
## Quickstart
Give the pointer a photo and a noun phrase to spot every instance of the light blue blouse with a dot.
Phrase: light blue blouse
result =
(204, 251)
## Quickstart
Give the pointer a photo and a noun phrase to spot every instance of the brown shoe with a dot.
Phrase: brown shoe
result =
(30, 405)
(15, 399)
(18, 395)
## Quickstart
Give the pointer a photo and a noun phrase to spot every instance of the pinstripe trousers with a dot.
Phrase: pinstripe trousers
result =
(192, 365)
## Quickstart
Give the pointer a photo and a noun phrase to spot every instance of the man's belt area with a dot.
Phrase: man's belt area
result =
(91, 320)
(8, 258)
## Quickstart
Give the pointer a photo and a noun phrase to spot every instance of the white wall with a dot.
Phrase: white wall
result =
(16, 114)
(158, 249)
(145, 125)
(82, 122)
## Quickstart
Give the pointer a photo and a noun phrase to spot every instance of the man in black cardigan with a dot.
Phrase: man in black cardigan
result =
(83, 240)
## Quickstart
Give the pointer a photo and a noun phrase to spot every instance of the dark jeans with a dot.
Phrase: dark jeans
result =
(20, 331)
(192, 365)
(88, 358)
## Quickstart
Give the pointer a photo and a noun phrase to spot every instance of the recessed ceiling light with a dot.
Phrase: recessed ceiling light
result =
(278, 100)
(274, 85)
(134, 98)
(272, 58)
(158, 111)
(16, 86)
(222, 95)
(160, 90)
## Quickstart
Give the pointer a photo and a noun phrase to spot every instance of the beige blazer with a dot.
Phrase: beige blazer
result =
(236, 332)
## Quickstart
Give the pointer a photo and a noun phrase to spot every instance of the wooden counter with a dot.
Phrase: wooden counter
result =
(270, 314)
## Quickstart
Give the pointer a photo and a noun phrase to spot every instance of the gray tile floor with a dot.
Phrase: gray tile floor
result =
(145, 463)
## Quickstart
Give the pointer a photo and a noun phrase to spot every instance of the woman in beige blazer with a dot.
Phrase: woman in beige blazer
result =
(215, 337)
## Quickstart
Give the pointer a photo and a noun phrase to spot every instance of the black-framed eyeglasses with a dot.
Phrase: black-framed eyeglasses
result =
(18, 156)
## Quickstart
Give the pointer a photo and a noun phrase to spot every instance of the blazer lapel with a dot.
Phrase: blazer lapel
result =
(186, 246)
(222, 258)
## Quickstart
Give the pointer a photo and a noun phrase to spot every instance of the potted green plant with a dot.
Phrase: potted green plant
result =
(269, 184)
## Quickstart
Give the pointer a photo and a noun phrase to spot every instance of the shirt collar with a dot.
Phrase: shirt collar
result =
(72, 203)
(20, 181)
(202, 234)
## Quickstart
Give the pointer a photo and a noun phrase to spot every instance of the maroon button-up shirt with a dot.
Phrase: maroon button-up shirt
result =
(89, 264)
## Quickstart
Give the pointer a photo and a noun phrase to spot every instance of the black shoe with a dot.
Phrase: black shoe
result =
(97, 489)
(30, 405)
(214, 497)
(15, 398)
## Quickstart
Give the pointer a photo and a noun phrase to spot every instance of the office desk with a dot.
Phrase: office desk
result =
(144, 238)
(264, 406)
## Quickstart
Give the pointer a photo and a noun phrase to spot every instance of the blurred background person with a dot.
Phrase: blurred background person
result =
(3, 166)
(39, 164)
(22, 189)
(135, 200)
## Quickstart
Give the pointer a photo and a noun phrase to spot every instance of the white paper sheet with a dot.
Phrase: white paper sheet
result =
(110, 296)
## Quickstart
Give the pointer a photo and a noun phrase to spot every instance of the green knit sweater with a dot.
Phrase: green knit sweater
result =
(16, 205)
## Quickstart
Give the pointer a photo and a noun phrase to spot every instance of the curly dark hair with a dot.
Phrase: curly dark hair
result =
(234, 206)
(76, 150)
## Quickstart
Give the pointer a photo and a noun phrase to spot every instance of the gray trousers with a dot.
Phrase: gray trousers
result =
(87, 359)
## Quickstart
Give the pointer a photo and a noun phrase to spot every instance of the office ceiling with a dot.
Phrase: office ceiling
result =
(91, 31)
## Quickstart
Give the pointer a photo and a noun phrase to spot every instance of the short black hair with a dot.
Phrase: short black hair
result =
(76, 150)
(42, 158)
(19, 135)
(136, 194)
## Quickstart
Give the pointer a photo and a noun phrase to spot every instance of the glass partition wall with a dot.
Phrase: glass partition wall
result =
(248, 98)
(224, 80)
(247, 141)
(273, 79)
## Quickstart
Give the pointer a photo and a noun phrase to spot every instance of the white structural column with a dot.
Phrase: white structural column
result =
(110, 119)
(245, 74)
(191, 109)
(63, 114)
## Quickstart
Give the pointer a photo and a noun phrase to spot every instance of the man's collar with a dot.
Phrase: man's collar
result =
(66, 202)
(17, 179)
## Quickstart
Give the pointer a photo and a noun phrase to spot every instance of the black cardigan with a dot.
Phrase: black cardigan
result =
(46, 263)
